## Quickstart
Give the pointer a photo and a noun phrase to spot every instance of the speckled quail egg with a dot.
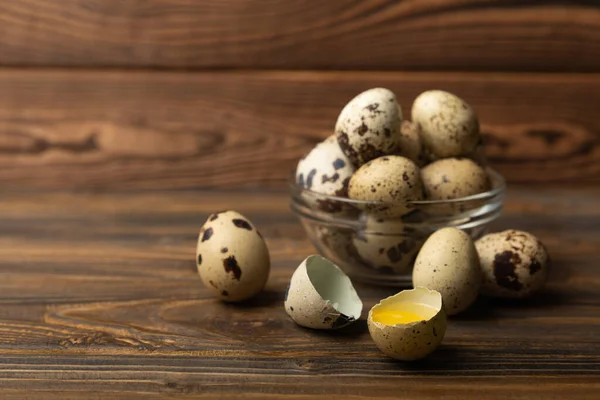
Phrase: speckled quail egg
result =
(410, 143)
(321, 296)
(232, 257)
(388, 179)
(369, 126)
(325, 170)
(409, 325)
(386, 245)
(515, 264)
(454, 178)
(448, 263)
(449, 126)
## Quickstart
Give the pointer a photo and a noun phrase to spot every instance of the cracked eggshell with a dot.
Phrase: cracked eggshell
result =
(321, 296)
(232, 257)
(386, 245)
(449, 126)
(449, 264)
(515, 264)
(325, 170)
(369, 126)
(415, 340)
(389, 179)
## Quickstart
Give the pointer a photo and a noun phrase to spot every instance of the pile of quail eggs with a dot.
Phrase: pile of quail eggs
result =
(384, 164)
(375, 156)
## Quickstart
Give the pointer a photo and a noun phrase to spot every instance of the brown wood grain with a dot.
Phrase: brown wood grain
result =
(99, 298)
(88, 129)
(340, 34)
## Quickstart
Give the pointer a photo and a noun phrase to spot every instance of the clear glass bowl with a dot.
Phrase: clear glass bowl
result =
(381, 251)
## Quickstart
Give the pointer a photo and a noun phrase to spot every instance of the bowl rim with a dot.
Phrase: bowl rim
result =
(497, 180)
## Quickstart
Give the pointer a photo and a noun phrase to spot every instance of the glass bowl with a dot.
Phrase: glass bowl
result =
(379, 250)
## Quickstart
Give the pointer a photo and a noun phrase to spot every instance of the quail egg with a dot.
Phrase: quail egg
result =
(393, 180)
(232, 257)
(409, 325)
(321, 296)
(325, 170)
(448, 263)
(385, 245)
(369, 126)
(454, 178)
(449, 126)
(515, 264)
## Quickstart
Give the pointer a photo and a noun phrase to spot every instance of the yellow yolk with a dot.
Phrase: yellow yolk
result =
(407, 314)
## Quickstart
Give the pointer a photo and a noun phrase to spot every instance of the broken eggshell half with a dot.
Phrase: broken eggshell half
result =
(321, 296)
(409, 325)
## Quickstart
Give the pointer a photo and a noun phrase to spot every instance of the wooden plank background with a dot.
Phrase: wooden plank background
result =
(310, 34)
(187, 94)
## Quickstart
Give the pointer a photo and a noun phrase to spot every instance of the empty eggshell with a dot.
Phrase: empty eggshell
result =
(369, 126)
(448, 263)
(449, 126)
(325, 170)
(409, 325)
(321, 296)
(232, 257)
(514, 264)
(385, 245)
(393, 180)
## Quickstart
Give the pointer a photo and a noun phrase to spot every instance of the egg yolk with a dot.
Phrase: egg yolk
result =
(405, 315)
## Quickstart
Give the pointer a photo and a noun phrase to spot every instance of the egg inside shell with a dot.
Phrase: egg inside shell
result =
(449, 126)
(368, 126)
(515, 264)
(325, 170)
(321, 296)
(448, 263)
(386, 245)
(386, 186)
(232, 257)
(409, 325)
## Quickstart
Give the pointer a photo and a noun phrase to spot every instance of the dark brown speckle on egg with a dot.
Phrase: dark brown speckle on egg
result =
(241, 223)
(231, 265)
(207, 234)
(301, 180)
(504, 270)
(310, 177)
(372, 107)
(339, 164)
(362, 129)
(534, 267)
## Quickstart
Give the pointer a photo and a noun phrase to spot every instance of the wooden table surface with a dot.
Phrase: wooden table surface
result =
(99, 298)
